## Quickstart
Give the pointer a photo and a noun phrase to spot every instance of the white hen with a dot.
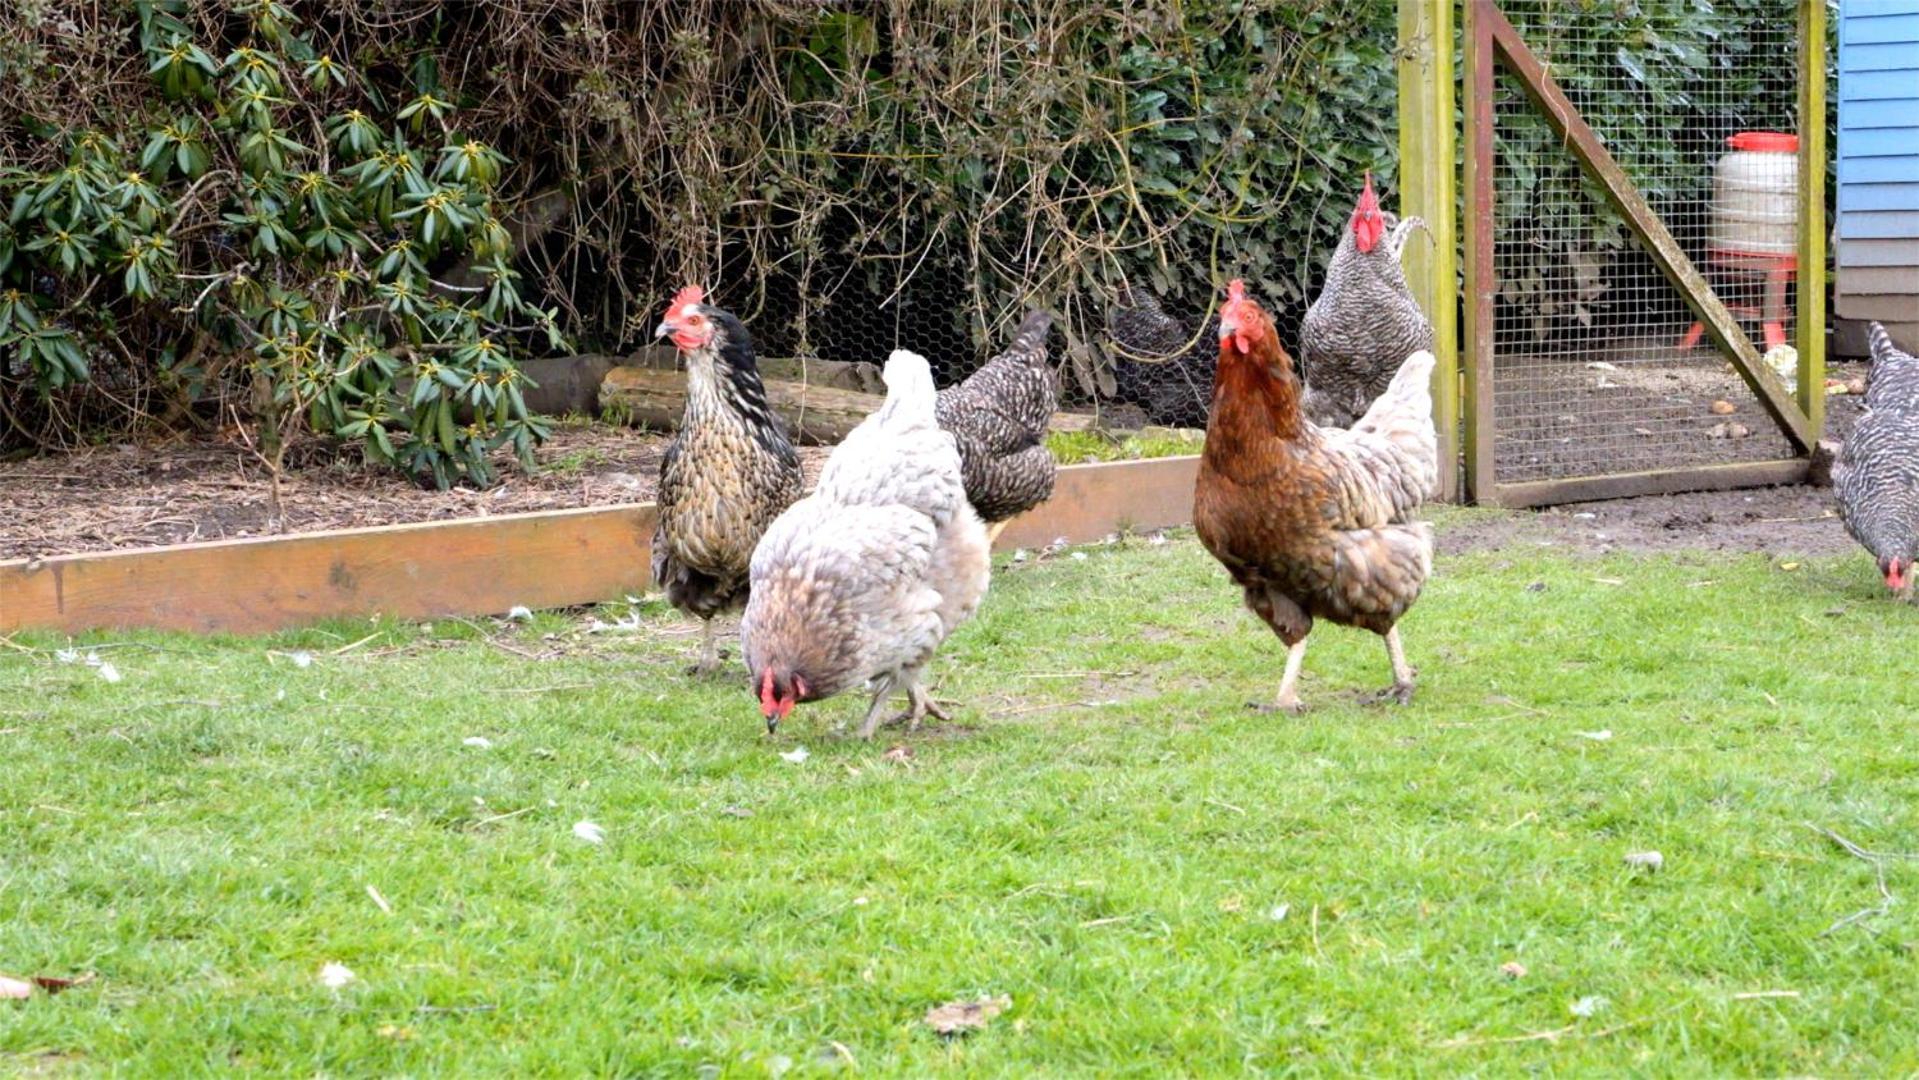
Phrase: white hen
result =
(862, 580)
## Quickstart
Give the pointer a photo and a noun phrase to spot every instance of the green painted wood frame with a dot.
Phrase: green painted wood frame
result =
(1492, 42)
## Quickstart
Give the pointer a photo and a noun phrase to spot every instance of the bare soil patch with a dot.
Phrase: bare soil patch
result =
(1797, 520)
(124, 496)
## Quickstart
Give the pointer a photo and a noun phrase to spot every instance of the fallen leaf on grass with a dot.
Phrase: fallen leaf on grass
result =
(477, 742)
(1595, 736)
(395, 1032)
(1722, 407)
(1588, 1005)
(109, 672)
(20, 989)
(959, 1017)
(301, 659)
(589, 832)
(1646, 860)
(1513, 969)
(1789, 567)
(898, 755)
(737, 811)
(797, 755)
(1278, 912)
(336, 976)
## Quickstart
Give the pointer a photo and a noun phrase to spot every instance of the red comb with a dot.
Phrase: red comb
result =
(1236, 290)
(692, 294)
(1369, 199)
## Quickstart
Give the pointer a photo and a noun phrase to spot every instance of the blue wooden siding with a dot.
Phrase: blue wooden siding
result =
(1878, 155)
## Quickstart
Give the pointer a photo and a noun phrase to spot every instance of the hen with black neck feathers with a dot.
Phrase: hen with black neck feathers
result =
(729, 471)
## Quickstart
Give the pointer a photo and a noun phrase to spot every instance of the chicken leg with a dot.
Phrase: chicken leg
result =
(709, 650)
(920, 704)
(1401, 691)
(1288, 699)
(882, 689)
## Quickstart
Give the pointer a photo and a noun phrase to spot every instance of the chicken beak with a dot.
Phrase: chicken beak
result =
(772, 725)
(665, 328)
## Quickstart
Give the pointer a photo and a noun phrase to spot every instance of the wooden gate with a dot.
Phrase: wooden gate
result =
(1604, 353)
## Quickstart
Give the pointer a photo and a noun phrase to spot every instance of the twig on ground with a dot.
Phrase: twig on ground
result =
(344, 649)
(1878, 863)
(1570, 1031)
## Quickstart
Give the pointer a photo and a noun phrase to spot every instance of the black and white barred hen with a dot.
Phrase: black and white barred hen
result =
(1365, 323)
(1876, 475)
(998, 416)
(729, 471)
(1157, 363)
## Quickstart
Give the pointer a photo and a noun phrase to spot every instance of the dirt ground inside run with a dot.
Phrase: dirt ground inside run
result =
(126, 496)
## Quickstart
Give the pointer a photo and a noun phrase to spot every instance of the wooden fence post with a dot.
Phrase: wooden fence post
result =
(1427, 190)
(1811, 314)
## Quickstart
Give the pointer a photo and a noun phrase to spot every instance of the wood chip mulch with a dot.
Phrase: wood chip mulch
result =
(125, 496)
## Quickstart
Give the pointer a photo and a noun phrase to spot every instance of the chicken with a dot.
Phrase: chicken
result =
(1875, 477)
(998, 417)
(862, 580)
(729, 471)
(1315, 523)
(1365, 322)
(1157, 364)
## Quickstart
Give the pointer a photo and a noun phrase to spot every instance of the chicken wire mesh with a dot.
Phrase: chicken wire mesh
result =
(842, 311)
(1599, 367)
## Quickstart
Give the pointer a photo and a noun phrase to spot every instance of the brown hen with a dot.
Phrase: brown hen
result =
(728, 473)
(1315, 523)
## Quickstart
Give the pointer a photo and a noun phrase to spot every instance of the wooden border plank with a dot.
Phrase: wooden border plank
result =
(1091, 501)
(475, 566)
(1481, 279)
(1811, 290)
(1427, 190)
(1657, 482)
(469, 567)
(1666, 253)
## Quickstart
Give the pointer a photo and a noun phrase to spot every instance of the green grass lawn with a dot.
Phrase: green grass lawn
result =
(1161, 880)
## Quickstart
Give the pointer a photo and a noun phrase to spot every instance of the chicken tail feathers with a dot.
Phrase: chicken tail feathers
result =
(1409, 396)
(909, 389)
(1882, 346)
(1402, 418)
(1029, 342)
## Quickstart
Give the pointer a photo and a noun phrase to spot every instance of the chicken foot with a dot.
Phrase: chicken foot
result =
(920, 704)
(1401, 691)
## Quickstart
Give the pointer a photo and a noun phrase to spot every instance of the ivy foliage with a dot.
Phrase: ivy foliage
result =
(262, 211)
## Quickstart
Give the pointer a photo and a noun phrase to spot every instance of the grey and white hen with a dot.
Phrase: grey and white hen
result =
(1365, 322)
(1876, 475)
(861, 581)
(998, 417)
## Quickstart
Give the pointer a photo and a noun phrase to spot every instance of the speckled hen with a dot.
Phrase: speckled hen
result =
(729, 471)
(1876, 475)
(1157, 363)
(1312, 522)
(1365, 322)
(998, 418)
(859, 582)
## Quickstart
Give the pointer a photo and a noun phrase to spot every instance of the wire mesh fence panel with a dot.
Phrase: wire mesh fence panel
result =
(1600, 367)
(833, 319)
